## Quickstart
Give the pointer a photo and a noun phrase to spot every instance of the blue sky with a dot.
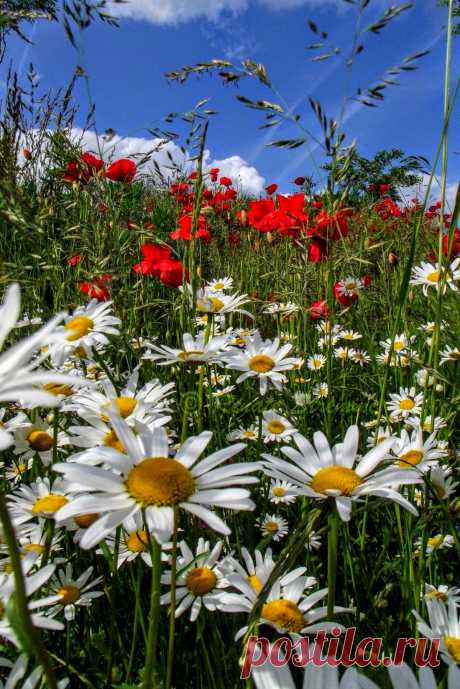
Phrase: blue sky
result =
(127, 67)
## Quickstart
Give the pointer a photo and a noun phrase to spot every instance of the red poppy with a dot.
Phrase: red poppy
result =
(294, 205)
(366, 280)
(185, 229)
(103, 207)
(93, 163)
(385, 188)
(26, 153)
(319, 309)
(344, 298)
(300, 181)
(74, 260)
(82, 170)
(226, 181)
(271, 189)
(214, 173)
(455, 248)
(123, 170)
(171, 272)
(193, 175)
(317, 250)
(96, 289)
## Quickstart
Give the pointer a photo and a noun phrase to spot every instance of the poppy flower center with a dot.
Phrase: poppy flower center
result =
(275, 427)
(284, 614)
(69, 594)
(111, 440)
(433, 277)
(34, 548)
(412, 457)
(160, 481)
(278, 491)
(406, 405)
(56, 389)
(84, 521)
(336, 479)
(261, 363)
(188, 355)
(125, 405)
(79, 327)
(137, 542)
(201, 580)
(453, 646)
(40, 441)
(255, 583)
(49, 504)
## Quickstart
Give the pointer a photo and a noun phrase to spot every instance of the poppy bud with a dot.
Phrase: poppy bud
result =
(393, 259)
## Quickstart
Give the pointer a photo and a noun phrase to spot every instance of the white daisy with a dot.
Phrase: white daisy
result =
(402, 677)
(442, 482)
(405, 403)
(413, 451)
(282, 492)
(275, 427)
(438, 542)
(444, 624)
(429, 425)
(282, 309)
(350, 335)
(199, 580)
(360, 356)
(17, 678)
(262, 359)
(378, 436)
(207, 301)
(195, 349)
(37, 439)
(313, 541)
(442, 592)
(251, 433)
(41, 499)
(73, 592)
(321, 390)
(274, 526)
(323, 473)
(429, 275)
(146, 478)
(449, 354)
(220, 285)
(316, 362)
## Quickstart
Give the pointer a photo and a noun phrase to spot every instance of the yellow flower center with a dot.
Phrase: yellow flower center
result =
(278, 491)
(79, 352)
(336, 478)
(125, 405)
(34, 548)
(435, 542)
(249, 434)
(317, 363)
(79, 327)
(412, 457)
(439, 595)
(20, 469)
(84, 521)
(261, 363)
(49, 504)
(160, 481)
(69, 594)
(271, 527)
(398, 345)
(453, 646)
(56, 389)
(137, 542)
(284, 614)
(111, 440)
(255, 582)
(406, 405)
(433, 277)
(201, 580)
(210, 304)
(454, 354)
(183, 356)
(275, 427)
(41, 441)
(219, 285)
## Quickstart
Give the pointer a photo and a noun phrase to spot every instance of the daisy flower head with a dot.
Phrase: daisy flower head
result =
(33, 583)
(403, 677)
(283, 309)
(442, 592)
(219, 285)
(195, 349)
(413, 451)
(350, 335)
(401, 343)
(86, 328)
(200, 581)
(274, 526)
(21, 375)
(145, 478)
(442, 482)
(429, 424)
(313, 541)
(37, 438)
(360, 356)
(275, 427)
(207, 301)
(322, 472)
(438, 542)
(405, 403)
(134, 541)
(282, 492)
(251, 433)
(378, 436)
(449, 354)
(444, 624)
(262, 359)
(321, 391)
(72, 592)
(344, 353)
(38, 500)
(316, 362)
(431, 275)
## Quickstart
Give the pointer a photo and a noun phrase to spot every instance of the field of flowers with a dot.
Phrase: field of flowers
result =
(222, 417)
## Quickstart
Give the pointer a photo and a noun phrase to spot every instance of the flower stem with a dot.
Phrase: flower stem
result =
(332, 543)
(172, 613)
(20, 594)
(151, 680)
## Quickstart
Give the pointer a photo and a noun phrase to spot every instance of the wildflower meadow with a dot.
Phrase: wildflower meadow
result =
(229, 421)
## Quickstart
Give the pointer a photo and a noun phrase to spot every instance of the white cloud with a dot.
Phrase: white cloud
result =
(419, 190)
(180, 11)
(166, 155)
